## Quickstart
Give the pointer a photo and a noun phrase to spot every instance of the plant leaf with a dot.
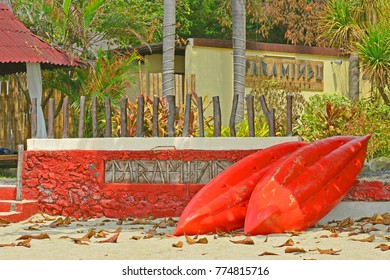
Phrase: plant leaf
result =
(328, 251)
(25, 243)
(8, 245)
(114, 238)
(290, 250)
(245, 241)
(192, 241)
(39, 236)
(383, 247)
(86, 237)
(368, 239)
(178, 244)
(266, 253)
(289, 242)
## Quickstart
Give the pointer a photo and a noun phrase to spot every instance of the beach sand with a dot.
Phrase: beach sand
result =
(151, 239)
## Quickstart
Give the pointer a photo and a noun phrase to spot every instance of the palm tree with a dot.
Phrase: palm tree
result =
(239, 51)
(374, 52)
(168, 63)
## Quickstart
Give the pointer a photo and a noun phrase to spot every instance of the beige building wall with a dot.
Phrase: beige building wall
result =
(210, 65)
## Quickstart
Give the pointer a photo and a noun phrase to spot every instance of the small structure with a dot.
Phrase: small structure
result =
(22, 51)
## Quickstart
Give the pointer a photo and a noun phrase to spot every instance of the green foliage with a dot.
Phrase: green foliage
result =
(324, 115)
(327, 115)
(374, 53)
(275, 95)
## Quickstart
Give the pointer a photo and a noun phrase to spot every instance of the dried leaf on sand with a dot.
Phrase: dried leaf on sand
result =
(368, 239)
(8, 245)
(178, 244)
(4, 223)
(114, 238)
(38, 236)
(86, 237)
(25, 243)
(289, 242)
(192, 241)
(245, 241)
(328, 251)
(383, 247)
(290, 250)
(266, 253)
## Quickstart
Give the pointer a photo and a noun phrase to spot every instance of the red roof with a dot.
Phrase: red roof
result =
(18, 46)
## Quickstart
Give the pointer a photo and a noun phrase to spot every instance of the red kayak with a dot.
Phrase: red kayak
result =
(222, 203)
(305, 186)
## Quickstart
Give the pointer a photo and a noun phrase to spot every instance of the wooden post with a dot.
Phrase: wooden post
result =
(140, 116)
(107, 106)
(270, 114)
(124, 117)
(289, 114)
(19, 173)
(200, 114)
(156, 105)
(81, 119)
(232, 122)
(50, 123)
(187, 114)
(217, 117)
(34, 109)
(94, 118)
(65, 118)
(171, 115)
(251, 114)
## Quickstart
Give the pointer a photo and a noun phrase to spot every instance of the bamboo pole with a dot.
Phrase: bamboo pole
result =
(156, 104)
(232, 122)
(65, 113)
(187, 114)
(171, 115)
(34, 109)
(94, 118)
(108, 128)
(50, 123)
(124, 117)
(217, 117)
(251, 114)
(200, 115)
(82, 116)
(270, 114)
(140, 116)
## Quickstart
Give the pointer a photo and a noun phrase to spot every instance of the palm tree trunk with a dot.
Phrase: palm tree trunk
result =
(239, 54)
(168, 64)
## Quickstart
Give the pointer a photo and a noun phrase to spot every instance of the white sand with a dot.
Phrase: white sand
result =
(159, 247)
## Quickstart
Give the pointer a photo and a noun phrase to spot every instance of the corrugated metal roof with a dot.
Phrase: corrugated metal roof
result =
(18, 46)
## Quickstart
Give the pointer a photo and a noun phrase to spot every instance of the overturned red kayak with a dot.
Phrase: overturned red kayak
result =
(305, 186)
(222, 203)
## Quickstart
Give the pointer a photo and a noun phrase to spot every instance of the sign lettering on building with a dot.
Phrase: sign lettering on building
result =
(304, 74)
(163, 171)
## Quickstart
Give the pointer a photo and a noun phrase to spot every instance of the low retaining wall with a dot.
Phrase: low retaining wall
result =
(122, 177)
(138, 177)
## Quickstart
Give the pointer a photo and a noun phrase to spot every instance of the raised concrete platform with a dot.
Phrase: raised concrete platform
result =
(161, 143)
(356, 210)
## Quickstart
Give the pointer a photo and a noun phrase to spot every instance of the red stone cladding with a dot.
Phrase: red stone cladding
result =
(369, 191)
(71, 183)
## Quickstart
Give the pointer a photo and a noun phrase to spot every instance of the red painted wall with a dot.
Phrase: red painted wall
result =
(71, 183)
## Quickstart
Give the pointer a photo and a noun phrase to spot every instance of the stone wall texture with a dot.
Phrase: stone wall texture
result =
(72, 183)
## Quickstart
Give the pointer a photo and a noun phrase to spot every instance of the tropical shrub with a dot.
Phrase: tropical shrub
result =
(327, 115)
(275, 95)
